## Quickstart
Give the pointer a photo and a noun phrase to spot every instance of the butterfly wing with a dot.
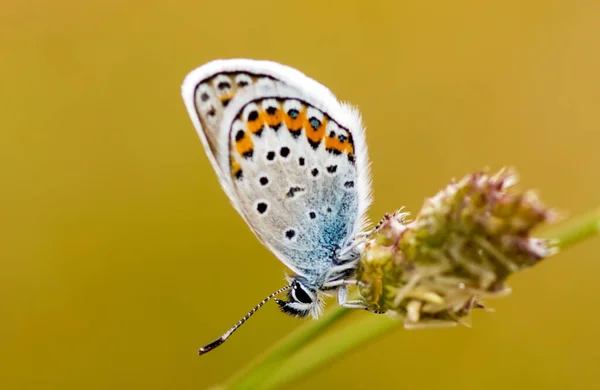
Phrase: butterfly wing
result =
(291, 157)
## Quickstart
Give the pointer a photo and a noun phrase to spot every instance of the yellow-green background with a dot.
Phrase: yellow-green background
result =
(120, 254)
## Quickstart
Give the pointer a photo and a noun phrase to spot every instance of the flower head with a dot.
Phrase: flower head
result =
(461, 247)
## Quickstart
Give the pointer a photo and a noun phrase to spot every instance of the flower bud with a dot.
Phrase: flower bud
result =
(461, 248)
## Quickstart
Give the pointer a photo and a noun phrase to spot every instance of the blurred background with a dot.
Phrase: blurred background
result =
(120, 254)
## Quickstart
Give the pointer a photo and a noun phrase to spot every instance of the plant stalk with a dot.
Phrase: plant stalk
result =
(292, 358)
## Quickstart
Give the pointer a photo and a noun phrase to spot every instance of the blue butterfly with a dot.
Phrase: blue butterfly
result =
(293, 161)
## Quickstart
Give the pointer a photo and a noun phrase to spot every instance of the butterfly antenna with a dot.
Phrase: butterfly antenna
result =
(226, 335)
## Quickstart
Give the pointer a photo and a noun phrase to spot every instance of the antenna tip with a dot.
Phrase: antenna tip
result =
(211, 346)
(222, 339)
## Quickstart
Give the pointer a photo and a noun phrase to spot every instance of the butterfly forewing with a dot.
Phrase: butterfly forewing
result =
(212, 95)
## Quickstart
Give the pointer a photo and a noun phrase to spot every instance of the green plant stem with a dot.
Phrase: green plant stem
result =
(288, 361)
(253, 374)
(328, 348)
(576, 229)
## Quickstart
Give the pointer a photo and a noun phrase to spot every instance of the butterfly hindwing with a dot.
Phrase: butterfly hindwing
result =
(293, 171)
(290, 156)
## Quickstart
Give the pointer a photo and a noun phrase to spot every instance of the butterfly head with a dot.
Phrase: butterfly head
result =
(302, 300)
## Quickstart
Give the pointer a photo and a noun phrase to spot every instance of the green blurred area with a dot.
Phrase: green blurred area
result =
(121, 255)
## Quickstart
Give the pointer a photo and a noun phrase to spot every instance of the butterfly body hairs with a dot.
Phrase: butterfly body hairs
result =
(293, 161)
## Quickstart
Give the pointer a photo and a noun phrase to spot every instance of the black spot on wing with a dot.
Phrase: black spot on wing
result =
(293, 191)
(295, 132)
(261, 207)
(223, 85)
(313, 144)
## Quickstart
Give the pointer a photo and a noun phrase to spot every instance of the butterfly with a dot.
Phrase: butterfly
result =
(293, 161)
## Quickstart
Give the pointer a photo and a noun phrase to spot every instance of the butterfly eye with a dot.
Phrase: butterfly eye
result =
(299, 294)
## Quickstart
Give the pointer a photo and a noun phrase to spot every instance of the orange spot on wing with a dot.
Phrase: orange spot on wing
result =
(342, 147)
(315, 135)
(226, 96)
(244, 145)
(349, 148)
(298, 122)
(235, 168)
(275, 119)
(257, 124)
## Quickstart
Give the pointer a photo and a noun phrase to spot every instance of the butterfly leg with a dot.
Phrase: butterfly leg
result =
(401, 215)
(355, 304)
(355, 248)
(342, 298)
(341, 282)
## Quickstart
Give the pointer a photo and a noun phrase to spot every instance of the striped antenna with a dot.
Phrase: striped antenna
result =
(222, 339)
